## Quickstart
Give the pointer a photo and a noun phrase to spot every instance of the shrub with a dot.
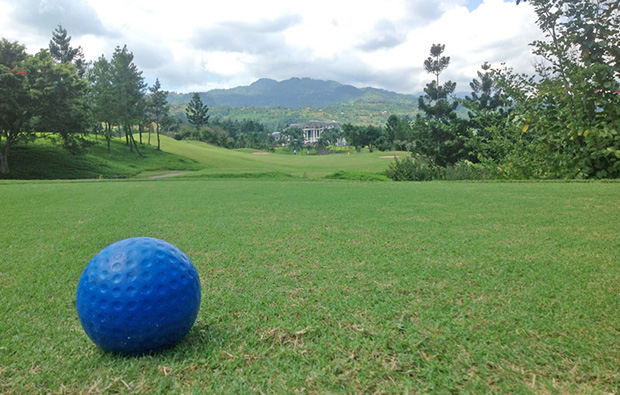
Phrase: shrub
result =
(413, 169)
(466, 170)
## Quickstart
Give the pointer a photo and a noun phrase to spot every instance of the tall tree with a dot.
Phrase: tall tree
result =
(158, 107)
(62, 52)
(435, 63)
(103, 97)
(196, 113)
(128, 87)
(487, 104)
(488, 109)
(437, 134)
(15, 100)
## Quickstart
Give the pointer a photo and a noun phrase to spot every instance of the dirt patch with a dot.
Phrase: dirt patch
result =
(260, 153)
(169, 175)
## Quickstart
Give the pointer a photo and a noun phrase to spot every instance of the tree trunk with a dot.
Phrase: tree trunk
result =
(158, 141)
(134, 144)
(108, 136)
(4, 157)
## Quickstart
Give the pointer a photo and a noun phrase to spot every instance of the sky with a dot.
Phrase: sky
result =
(198, 46)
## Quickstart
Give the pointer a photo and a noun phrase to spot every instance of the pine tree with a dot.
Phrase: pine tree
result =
(158, 107)
(128, 87)
(437, 133)
(62, 52)
(102, 95)
(196, 113)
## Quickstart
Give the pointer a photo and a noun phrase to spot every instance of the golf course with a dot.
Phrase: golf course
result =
(316, 285)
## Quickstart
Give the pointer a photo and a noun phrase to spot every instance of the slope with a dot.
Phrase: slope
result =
(224, 162)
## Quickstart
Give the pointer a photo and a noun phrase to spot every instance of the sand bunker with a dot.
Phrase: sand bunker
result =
(168, 175)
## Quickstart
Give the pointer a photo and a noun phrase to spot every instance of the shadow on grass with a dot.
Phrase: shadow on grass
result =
(203, 339)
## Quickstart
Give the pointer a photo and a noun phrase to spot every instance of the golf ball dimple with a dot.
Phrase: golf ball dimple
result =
(138, 295)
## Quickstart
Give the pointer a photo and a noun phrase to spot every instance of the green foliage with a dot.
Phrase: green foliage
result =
(157, 107)
(61, 99)
(439, 134)
(62, 52)
(102, 96)
(16, 101)
(128, 93)
(570, 115)
(196, 113)
(360, 136)
(412, 168)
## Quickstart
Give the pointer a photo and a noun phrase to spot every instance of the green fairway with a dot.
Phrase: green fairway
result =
(326, 286)
(224, 161)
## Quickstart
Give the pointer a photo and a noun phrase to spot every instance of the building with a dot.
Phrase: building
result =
(312, 130)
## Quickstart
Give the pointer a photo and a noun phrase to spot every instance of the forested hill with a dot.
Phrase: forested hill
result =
(293, 93)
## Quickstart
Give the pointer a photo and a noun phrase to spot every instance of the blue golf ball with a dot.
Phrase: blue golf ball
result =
(138, 295)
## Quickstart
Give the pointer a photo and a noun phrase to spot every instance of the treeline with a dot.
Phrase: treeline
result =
(229, 133)
(58, 94)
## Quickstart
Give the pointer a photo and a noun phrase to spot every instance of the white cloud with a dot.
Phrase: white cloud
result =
(198, 46)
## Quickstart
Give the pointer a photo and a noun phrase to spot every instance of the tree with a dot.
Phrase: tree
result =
(61, 98)
(15, 99)
(355, 135)
(488, 110)
(328, 137)
(158, 107)
(196, 113)
(435, 63)
(102, 96)
(128, 90)
(295, 137)
(62, 52)
(437, 135)
(398, 131)
(573, 106)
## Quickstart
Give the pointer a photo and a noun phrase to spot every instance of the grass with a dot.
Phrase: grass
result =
(327, 286)
(221, 160)
(45, 160)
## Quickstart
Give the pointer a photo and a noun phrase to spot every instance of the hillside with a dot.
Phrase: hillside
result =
(292, 93)
(299, 100)
(44, 160)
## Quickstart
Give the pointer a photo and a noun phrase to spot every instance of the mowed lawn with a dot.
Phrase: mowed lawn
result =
(223, 161)
(327, 286)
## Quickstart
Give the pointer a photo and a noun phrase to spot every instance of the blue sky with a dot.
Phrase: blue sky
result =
(195, 46)
(473, 4)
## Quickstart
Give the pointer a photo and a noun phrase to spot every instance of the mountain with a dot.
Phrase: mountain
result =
(292, 93)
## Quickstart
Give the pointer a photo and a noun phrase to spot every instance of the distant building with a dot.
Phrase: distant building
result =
(313, 129)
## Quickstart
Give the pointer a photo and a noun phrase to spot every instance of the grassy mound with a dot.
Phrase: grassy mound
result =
(45, 160)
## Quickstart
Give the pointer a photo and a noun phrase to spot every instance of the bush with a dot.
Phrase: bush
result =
(413, 169)
(466, 170)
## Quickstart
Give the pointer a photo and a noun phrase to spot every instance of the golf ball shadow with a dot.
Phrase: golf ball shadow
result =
(137, 296)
